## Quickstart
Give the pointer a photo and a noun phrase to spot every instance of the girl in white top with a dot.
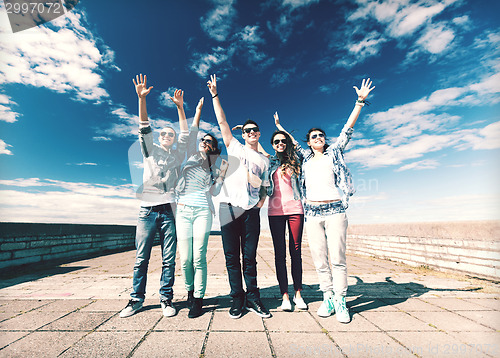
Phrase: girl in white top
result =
(323, 173)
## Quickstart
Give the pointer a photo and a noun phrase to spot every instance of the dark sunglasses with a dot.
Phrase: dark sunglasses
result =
(170, 134)
(207, 140)
(248, 130)
(278, 141)
(319, 135)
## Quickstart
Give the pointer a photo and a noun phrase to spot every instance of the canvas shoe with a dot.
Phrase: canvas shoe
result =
(196, 308)
(168, 308)
(132, 307)
(258, 308)
(236, 307)
(341, 310)
(327, 308)
(299, 303)
(286, 306)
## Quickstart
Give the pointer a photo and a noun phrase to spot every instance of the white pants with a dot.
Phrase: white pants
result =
(328, 234)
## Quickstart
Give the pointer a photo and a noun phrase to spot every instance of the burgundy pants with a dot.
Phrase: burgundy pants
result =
(295, 228)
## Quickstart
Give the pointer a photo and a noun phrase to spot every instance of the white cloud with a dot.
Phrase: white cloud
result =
(101, 139)
(217, 23)
(281, 76)
(250, 34)
(4, 148)
(62, 56)
(164, 98)
(203, 64)
(436, 39)
(6, 112)
(294, 4)
(50, 201)
(422, 164)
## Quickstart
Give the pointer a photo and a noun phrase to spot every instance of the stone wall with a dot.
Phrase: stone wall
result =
(22, 243)
(468, 247)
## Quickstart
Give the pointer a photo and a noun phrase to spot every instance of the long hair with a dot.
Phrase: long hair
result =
(212, 155)
(288, 158)
(318, 130)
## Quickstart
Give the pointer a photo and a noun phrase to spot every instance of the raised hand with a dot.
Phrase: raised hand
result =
(276, 119)
(178, 98)
(140, 86)
(200, 104)
(212, 85)
(223, 167)
(238, 126)
(364, 90)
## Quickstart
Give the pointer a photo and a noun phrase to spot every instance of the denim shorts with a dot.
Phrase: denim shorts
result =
(324, 209)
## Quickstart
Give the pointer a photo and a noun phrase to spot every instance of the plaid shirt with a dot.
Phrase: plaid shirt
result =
(343, 178)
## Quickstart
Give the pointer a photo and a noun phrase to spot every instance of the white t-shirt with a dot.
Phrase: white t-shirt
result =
(320, 179)
(247, 172)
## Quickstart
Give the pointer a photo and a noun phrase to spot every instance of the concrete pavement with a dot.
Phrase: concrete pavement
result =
(72, 310)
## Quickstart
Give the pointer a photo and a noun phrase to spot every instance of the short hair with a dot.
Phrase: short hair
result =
(249, 121)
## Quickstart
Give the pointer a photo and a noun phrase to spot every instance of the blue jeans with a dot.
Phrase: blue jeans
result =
(241, 234)
(152, 219)
(193, 224)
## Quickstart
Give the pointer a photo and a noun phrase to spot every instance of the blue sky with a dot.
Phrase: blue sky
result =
(426, 149)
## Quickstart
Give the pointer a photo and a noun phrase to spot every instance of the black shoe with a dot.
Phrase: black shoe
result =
(258, 308)
(236, 307)
(190, 298)
(196, 309)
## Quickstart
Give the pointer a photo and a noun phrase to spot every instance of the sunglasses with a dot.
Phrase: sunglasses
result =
(248, 130)
(207, 140)
(170, 134)
(278, 141)
(319, 135)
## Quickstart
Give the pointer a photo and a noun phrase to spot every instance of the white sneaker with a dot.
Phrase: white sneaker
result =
(326, 309)
(341, 310)
(132, 307)
(286, 305)
(299, 303)
(168, 308)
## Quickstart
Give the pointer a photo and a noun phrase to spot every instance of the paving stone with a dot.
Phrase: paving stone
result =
(247, 322)
(298, 345)
(171, 344)
(369, 344)
(487, 343)
(490, 303)
(65, 305)
(30, 321)
(105, 344)
(292, 322)
(397, 321)
(237, 344)
(113, 305)
(78, 321)
(7, 337)
(487, 318)
(20, 306)
(450, 321)
(455, 304)
(142, 320)
(431, 344)
(181, 322)
(358, 324)
(411, 304)
(42, 344)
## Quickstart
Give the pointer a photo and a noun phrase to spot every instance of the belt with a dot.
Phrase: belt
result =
(162, 207)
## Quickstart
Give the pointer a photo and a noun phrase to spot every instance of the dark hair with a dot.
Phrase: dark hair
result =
(288, 158)
(316, 130)
(249, 121)
(215, 145)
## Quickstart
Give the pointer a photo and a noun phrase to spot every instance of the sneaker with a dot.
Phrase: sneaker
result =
(236, 307)
(196, 309)
(258, 308)
(299, 303)
(168, 308)
(341, 310)
(326, 309)
(132, 307)
(286, 306)
(190, 298)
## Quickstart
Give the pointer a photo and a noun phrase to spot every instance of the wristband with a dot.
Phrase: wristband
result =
(215, 95)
